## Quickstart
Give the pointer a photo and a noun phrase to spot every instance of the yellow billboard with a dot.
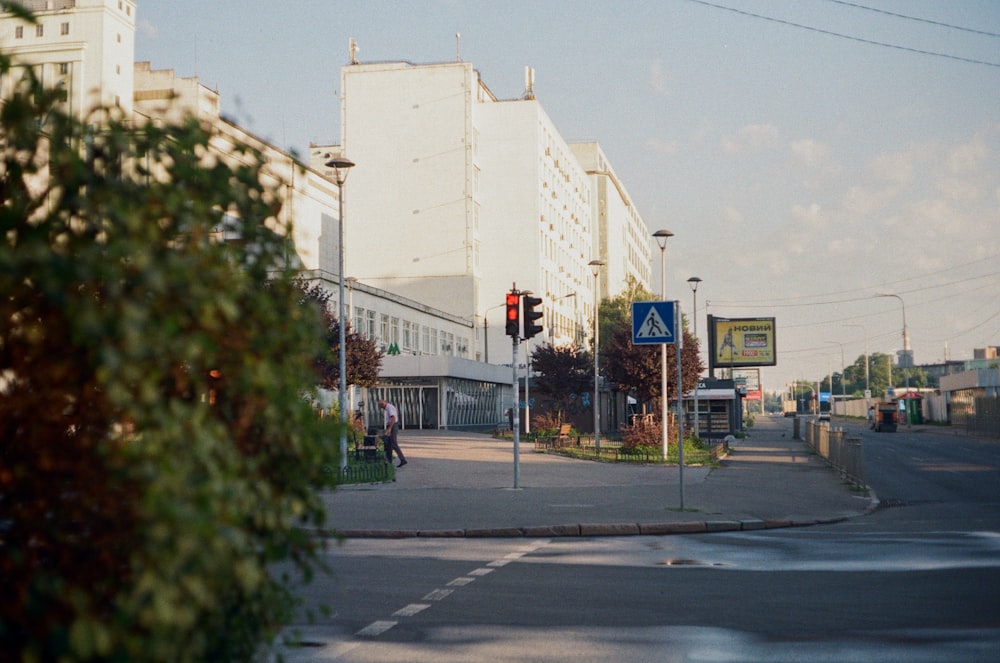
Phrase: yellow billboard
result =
(741, 342)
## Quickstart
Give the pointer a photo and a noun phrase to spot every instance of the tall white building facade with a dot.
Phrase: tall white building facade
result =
(457, 196)
(85, 47)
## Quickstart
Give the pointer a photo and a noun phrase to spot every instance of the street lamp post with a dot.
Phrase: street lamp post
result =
(661, 237)
(486, 334)
(341, 166)
(843, 391)
(906, 354)
(693, 282)
(595, 266)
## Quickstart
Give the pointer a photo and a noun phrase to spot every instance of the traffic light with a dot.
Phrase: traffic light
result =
(530, 315)
(513, 304)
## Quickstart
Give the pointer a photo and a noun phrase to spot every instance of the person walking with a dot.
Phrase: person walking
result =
(391, 429)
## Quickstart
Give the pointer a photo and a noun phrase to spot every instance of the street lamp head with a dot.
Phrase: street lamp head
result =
(340, 167)
(661, 238)
(595, 266)
(693, 282)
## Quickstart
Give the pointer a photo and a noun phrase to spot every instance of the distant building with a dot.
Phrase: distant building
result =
(85, 47)
(461, 195)
(989, 352)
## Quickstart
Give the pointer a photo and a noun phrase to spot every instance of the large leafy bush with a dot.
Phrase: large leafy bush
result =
(156, 455)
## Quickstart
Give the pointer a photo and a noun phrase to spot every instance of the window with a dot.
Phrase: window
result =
(39, 30)
(19, 32)
(64, 28)
(63, 68)
(407, 335)
(359, 320)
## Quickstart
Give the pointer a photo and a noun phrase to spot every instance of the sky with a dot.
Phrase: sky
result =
(808, 155)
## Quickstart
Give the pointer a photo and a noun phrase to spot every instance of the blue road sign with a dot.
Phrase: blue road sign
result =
(653, 323)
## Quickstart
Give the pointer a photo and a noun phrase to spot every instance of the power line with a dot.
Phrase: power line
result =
(785, 303)
(915, 18)
(844, 36)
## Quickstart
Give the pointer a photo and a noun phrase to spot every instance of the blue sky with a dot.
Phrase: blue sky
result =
(807, 155)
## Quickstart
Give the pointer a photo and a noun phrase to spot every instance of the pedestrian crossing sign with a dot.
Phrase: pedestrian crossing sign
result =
(653, 323)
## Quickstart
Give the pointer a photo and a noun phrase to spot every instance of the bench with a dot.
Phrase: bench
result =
(554, 441)
(368, 450)
(563, 435)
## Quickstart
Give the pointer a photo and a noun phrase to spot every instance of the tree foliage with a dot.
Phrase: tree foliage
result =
(882, 373)
(637, 369)
(156, 455)
(363, 360)
(563, 374)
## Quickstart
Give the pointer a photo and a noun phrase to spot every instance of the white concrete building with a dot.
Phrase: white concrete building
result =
(458, 195)
(86, 47)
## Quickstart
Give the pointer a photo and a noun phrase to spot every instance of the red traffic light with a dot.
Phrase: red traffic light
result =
(513, 313)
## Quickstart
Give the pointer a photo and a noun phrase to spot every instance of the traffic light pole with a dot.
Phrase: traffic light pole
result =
(517, 414)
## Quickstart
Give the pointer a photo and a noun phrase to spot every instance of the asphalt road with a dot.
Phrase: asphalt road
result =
(915, 580)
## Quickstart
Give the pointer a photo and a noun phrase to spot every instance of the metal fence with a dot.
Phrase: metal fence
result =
(986, 419)
(837, 448)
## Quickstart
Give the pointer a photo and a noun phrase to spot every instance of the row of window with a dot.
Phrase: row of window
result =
(40, 30)
(410, 337)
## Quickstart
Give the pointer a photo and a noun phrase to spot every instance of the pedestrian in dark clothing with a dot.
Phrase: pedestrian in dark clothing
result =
(391, 430)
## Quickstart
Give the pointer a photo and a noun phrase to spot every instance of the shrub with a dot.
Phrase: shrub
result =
(156, 454)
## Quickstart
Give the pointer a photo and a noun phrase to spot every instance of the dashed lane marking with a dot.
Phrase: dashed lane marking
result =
(376, 628)
(410, 610)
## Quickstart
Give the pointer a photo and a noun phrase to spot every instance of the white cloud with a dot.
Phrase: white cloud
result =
(809, 152)
(660, 146)
(752, 137)
(895, 167)
(811, 216)
(658, 77)
(733, 217)
(958, 189)
(146, 29)
(967, 158)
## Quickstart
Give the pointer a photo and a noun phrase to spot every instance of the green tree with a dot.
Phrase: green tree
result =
(636, 369)
(156, 454)
(563, 375)
(364, 359)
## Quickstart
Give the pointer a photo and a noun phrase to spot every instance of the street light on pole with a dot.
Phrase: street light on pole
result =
(595, 266)
(661, 237)
(906, 354)
(843, 392)
(486, 334)
(341, 166)
(693, 282)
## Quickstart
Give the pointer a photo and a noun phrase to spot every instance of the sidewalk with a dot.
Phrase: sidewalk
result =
(461, 484)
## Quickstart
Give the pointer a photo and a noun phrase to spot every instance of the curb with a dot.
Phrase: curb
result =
(582, 530)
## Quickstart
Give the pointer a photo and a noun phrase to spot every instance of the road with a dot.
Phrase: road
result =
(916, 580)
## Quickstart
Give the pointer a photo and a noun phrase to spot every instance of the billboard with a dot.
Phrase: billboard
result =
(749, 379)
(741, 342)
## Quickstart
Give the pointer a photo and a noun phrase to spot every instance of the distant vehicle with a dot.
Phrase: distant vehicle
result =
(824, 416)
(788, 407)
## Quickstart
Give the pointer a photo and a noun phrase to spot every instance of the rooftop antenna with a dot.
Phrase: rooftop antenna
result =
(458, 47)
(529, 83)
(354, 50)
